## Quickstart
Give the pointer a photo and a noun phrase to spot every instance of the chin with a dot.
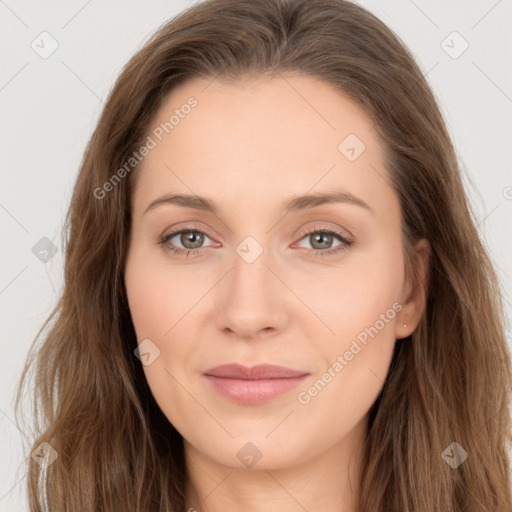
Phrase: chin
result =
(253, 452)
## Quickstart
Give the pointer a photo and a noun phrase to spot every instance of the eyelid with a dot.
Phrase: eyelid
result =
(329, 229)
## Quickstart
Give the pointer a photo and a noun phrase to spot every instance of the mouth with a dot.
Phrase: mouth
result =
(254, 385)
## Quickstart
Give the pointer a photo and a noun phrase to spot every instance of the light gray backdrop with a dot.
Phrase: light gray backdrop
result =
(59, 60)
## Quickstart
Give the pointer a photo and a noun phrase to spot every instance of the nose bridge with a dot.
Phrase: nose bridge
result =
(252, 300)
(251, 277)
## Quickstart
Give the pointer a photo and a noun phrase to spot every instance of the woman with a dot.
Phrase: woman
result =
(201, 356)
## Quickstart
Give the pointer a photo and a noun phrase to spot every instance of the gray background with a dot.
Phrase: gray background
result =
(49, 107)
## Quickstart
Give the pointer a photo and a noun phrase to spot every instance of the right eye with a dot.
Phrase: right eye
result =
(190, 239)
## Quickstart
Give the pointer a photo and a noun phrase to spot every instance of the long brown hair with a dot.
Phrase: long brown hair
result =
(449, 382)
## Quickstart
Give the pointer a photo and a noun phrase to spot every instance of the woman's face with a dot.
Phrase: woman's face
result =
(262, 277)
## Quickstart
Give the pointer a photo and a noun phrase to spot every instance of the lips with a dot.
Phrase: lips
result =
(258, 372)
(253, 385)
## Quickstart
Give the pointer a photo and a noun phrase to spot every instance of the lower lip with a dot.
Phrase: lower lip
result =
(253, 391)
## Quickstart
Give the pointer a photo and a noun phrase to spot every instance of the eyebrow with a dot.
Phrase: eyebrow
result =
(291, 205)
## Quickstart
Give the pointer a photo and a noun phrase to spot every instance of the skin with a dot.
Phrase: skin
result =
(250, 145)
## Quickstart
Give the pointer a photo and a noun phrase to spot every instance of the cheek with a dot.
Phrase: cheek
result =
(354, 371)
(352, 298)
(156, 297)
(361, 307)
(155, 310)
(147, 309)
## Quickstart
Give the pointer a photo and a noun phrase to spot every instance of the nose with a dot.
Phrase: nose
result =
(252, 302)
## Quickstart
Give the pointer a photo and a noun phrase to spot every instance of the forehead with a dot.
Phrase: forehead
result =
(259, 138)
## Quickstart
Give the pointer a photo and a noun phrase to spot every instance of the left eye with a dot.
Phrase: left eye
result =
(322, 240)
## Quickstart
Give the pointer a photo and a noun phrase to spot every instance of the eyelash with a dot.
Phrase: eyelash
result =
(345, 242)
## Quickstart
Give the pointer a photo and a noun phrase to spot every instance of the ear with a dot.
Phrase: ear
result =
(414, 292)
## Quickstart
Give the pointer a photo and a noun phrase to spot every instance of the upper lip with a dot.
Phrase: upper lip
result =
(258, 372)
